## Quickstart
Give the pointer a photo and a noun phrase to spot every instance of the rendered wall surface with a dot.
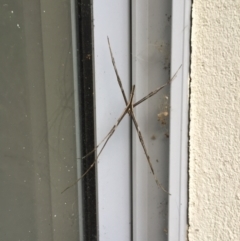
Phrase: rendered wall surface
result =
(214, 169)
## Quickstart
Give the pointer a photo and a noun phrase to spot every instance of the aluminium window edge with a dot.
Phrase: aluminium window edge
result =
(178, 158)
(113, 176)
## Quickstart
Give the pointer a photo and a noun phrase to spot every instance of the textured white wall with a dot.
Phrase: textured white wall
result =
(214, 207)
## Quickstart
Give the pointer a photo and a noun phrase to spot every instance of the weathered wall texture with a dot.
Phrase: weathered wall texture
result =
(214, 204)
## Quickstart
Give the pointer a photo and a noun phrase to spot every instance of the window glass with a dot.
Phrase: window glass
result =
(37, 122)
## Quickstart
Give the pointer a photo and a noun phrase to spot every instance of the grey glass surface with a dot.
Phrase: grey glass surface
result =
(37, 122)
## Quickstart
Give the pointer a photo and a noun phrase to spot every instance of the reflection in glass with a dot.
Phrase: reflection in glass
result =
(37, 122)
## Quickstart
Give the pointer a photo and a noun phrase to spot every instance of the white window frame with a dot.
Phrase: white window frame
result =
(111, 18)
(178, 175)
(111, 168)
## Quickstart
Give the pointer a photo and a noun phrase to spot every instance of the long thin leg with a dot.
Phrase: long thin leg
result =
(123, 93)
(131, 113)
(145, 150)
(107, 137)
(158, 89)
(110, 135)
(116, 72)
(134, 105)
(121, 86)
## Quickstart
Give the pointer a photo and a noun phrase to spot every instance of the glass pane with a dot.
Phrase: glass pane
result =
(37, 122)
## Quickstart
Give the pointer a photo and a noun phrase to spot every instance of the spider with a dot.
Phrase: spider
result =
(128, 110)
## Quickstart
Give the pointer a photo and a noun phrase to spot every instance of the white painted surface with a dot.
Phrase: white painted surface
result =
(178, 169)
(151, 54)
(111, 18)
(214, 204)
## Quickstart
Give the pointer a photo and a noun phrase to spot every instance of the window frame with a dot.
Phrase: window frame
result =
(179, 90)
(178, 170)
(114, 165)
